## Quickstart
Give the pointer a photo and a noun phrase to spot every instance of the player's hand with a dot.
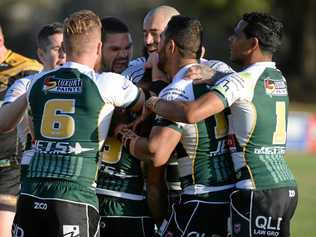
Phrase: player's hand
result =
(200, 74)
(119, 130)
(146, 112)
(152, 63)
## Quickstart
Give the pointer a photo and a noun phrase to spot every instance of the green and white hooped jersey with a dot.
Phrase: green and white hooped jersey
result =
(208, 166)
(258, 100)
(72, 108)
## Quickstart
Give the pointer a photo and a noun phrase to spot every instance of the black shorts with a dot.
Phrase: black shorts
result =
(262, 213)
(9, 187)
(126, 226)
(196, 218)
(37, 217)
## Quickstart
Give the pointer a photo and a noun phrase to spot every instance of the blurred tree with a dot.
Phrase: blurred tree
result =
(21, 20)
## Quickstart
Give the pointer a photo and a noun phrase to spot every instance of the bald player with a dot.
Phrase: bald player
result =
(154, 23)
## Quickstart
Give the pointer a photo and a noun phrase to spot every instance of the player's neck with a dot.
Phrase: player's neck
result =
(181, 63)
(256, 58)
(82, 59)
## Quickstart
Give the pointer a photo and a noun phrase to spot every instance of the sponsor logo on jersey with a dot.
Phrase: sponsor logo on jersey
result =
(174, 93)
(64, 86)
(267, 226)
(274, 150)
(275, 87)
(71, 230)
(51, 147)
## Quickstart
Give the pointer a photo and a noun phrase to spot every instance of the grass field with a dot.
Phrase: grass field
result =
(304, 169)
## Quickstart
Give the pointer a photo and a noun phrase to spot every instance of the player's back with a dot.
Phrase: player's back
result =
(259, 122)
(208, 162)
(71, 109)
(67, 109)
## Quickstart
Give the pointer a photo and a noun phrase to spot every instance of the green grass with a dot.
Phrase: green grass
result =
(304, 169)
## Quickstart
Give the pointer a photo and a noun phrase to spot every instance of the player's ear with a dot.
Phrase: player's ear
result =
(99, 48)
(254, 43)
(40, 54)
(172, 46)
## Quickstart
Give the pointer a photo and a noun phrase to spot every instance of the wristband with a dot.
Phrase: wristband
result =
(128, 139)
(130, 145)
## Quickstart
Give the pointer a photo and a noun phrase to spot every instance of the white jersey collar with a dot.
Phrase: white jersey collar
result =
(263, 64)
(80, 67)
(179, 75)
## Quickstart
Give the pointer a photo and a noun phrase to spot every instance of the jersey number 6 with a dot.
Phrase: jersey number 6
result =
(56, 123)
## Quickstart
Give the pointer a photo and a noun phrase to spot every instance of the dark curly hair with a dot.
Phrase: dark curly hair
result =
(187, 33)
(112, 25)
(266, 28)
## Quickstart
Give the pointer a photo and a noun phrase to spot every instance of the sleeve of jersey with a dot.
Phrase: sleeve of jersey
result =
(119, 91)
(218, 66)
(134, 72)
(162, 122)
(229, 89)
(18, 88)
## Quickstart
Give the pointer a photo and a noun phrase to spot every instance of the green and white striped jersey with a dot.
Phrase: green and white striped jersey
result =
(207, 167)
(120, 174)
(258, 100)
(72, 108)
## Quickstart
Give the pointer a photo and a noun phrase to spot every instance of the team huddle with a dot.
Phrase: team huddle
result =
(169, 144)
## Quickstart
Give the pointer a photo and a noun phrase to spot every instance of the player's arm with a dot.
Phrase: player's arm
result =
(139, 102)
(121, 92)
(17, 89)
(223, 94)
(11, 114)
(155, 149)
(187, 112)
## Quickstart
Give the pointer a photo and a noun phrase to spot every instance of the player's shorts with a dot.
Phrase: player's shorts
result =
(132, 226)
(123, 217)
(198, 215)
(9, 187)
(38, 217)
(174, 196)
(262, 212)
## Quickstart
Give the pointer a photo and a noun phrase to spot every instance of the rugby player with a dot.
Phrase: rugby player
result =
(266, 195)
(120, 182)
(206, 170)
(12, 67)
(71, 108)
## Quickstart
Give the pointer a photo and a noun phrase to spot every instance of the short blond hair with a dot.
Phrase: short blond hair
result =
(82, 29)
